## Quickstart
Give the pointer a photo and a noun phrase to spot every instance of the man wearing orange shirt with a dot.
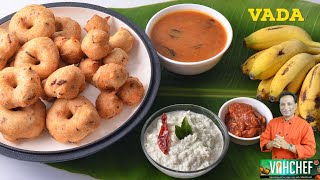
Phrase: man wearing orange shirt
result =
(288, 136)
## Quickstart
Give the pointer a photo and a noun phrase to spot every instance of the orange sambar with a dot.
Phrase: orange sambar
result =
(188, 36)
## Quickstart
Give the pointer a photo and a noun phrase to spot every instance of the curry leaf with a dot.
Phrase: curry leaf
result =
(184, 130)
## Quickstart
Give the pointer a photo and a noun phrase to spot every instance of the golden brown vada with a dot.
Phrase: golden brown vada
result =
(43, 95)
(131, 92)
(72, 120)
(31, 22)
(69, 49)
(95, 44)
(65, 83)
(97, 22)
(117, 56)
(122, 39)
(9, 44)
(67, 27)
(22, 123)
(89, 67)
(108, 104)
(110, 77)
(19, 87)
(41, 54)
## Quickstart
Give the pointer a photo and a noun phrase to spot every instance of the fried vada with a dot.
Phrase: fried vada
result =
(95, 44)
(131, 92)
(22, 123)
(122, 39)
(9, 44)
(69, 49)
(19, 87)
(66, 82)
(72, 120)
(41, 54)
(117, 56)
(110, 77)
(108, 104)
(31, 22)
(67, 27)
(97, 22)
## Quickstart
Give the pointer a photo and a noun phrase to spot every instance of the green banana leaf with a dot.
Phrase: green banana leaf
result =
(125, 159)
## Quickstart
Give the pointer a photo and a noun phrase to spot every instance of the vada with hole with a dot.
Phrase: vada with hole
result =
(22, 122)
(72, 120)
(67, 27)
(31, 22)
(41, 54)
(19, 87)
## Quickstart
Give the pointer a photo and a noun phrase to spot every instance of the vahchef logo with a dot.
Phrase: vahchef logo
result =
(289, 169)
(292, 167)
(259, 14)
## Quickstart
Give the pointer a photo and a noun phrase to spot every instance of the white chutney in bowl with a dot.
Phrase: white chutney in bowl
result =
(196, 151)
(184, 140)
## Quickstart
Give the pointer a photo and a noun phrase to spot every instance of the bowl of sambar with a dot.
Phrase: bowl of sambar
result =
(189, 38)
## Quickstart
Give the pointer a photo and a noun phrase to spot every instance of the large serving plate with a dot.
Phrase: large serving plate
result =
(143, 63)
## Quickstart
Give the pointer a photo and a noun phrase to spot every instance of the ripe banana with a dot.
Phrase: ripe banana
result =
(268, 63)
(296, 112)
(247, 65)
(309, 99)
(298, 65)
(315, 126)
(264, 89)
(295, 85)
(273, 35)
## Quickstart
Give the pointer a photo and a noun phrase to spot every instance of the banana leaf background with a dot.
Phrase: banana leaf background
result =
(125, 159)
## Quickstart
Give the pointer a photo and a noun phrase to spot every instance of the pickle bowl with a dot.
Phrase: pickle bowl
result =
(257, 105)
(194, 109)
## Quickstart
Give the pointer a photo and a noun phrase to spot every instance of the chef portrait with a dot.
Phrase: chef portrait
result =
(288, 136)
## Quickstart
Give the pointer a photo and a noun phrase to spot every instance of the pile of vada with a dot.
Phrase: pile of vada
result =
(43, 59)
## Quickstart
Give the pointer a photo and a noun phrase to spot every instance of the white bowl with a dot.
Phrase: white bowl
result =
(257, 105)
(192, 68)
(196, 109)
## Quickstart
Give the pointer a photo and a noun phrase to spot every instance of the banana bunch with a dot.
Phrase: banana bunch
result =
(265, 64)
(287, 61)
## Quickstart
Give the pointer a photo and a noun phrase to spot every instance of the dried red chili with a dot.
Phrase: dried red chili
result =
(163, 138)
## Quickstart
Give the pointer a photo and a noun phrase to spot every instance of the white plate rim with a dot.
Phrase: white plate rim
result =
(139, 114)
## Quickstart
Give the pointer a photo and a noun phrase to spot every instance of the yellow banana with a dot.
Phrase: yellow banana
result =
(295, 85)
(296, 112)
(309, 99)
(247, 65)
(268, 63)
(264, 89)
(300, 63)
(315, 125)
(273, 35)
